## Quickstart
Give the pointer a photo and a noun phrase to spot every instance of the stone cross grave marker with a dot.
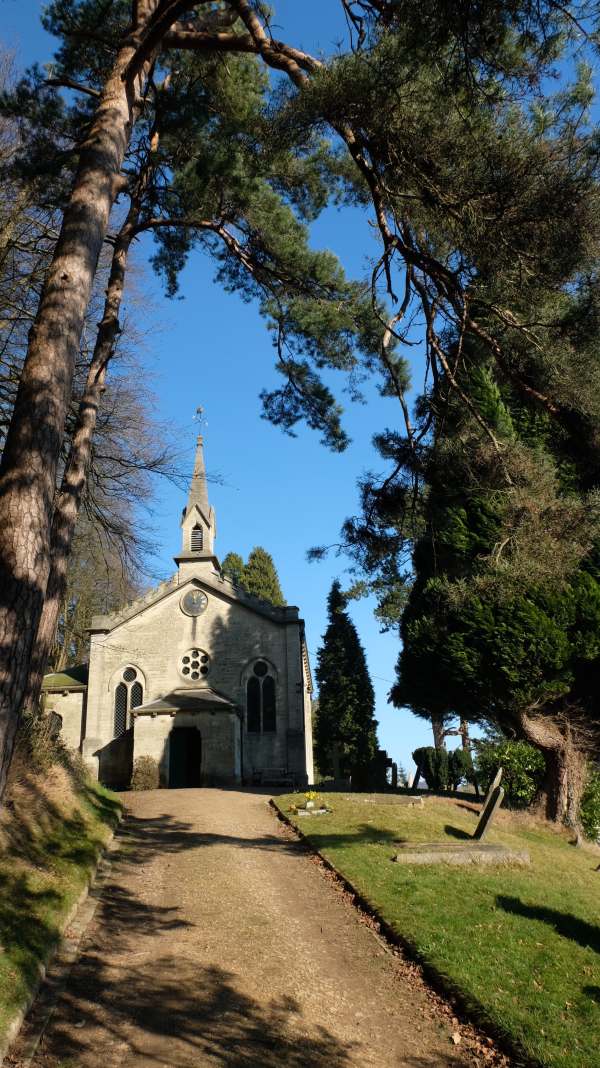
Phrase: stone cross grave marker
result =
(491, 804)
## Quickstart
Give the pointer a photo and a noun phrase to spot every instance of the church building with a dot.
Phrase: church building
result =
(212, 683)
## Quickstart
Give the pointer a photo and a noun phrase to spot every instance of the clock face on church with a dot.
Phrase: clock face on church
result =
(193, 602)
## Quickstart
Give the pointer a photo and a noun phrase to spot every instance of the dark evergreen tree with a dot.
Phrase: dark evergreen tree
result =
(486, 632)
(260, 577)
(346, 728)
(233, 566)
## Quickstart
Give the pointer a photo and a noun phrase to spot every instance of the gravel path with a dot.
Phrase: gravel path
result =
(218, 942)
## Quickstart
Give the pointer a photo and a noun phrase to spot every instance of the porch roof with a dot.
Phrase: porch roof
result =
(188, 700)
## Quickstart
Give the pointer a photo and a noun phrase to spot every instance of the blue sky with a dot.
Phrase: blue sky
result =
(211, 349)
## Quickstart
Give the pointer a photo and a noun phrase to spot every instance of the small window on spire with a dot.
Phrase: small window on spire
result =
(197, 539)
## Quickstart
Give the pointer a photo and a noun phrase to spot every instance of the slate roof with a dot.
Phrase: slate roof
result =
(187, 700)
(70, 678)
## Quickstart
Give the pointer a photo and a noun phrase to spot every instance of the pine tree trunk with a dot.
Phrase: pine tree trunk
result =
(565, 768)
(439, 734)
(75, 475)
(31, 454)
(463, 730)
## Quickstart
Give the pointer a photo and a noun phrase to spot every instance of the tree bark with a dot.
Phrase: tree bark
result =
(29, 463)
(565, 768)
(69, 498)
(439, 734)
(32, 449)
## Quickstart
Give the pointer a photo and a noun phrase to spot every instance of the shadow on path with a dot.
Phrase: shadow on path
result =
(189, 1015)
(150, 1005)
(183, 1014)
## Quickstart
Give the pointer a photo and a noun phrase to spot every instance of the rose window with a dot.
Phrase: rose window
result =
(194, 665)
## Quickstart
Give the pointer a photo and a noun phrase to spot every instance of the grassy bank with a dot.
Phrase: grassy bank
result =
(53, 826)
(522, 945)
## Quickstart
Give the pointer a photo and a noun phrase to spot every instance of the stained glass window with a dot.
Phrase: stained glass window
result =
(253, 705)
(268, 702)
(128, 694)
(121, 696)
(261, 711)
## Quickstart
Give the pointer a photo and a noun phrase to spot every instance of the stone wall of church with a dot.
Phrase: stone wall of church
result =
(219, 732)
(70, 707)
(234, 637)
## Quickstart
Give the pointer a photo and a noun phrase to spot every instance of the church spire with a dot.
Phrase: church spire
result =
(198, 494)
(198, 520)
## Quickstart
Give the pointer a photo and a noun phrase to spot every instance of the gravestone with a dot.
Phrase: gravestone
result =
(493, 800)
(492, 804)
(495, 783)
(473, 852)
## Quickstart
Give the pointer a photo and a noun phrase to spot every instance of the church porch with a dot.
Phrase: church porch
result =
(194, 736)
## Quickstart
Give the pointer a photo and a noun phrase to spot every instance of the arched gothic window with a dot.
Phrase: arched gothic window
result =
(261, 705)
(128, 694)
(197, 539)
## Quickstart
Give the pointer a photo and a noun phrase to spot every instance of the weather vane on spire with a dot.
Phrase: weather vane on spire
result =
(199, 417)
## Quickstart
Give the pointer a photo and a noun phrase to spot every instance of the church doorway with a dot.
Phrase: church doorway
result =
(185, 757)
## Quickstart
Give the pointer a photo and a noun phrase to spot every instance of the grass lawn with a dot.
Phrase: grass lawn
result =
(52, 829)
(522, 945)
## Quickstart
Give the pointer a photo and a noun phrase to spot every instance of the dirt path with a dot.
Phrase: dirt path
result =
(218, 942)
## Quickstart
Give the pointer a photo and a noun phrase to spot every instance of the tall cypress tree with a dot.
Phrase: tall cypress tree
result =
(260, 577)
(346, 728)
(233, 566)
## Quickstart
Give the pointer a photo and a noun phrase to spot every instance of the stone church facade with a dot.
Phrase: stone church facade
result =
(212, 683)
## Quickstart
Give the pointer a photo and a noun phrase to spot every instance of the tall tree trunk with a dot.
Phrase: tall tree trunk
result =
(463, 730)
(439, 734)
(565, 767)
(32, 449)
(69, 498)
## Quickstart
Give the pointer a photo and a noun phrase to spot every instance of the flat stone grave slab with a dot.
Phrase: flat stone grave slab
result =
(313, 811)
(467, 853)
(405, 800)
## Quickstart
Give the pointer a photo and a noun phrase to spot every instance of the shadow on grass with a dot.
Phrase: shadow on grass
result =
(46, 853)
(26, 936)
(457, 832)
(366, 833)
(564, 923)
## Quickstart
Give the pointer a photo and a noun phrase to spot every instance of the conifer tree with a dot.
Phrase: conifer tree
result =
(233, 567)
(345, 728)
(260, 577)
(486, 632)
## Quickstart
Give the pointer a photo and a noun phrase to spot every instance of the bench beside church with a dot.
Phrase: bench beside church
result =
(211, 682)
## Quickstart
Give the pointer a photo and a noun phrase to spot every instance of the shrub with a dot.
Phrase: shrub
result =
(460, 767)
(145, 774)
(523, 769)
(434, 766)
(590, 806)
(37, 744)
